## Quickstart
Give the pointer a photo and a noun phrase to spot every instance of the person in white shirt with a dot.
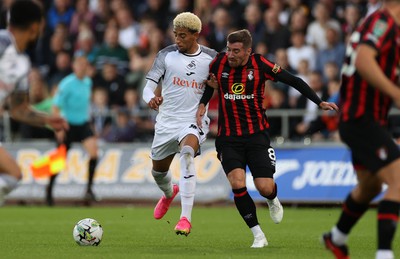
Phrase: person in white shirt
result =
(316, 31)
(24, 27)
(181, 69)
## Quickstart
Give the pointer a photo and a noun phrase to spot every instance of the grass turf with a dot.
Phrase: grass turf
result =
(218, 232)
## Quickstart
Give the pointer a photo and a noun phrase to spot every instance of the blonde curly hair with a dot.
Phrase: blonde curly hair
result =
(187, 20)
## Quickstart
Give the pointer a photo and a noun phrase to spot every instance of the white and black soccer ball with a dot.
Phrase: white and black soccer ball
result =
(88, 232)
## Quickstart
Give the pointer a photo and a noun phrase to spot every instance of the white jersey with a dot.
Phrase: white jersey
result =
(14, 67)
(182, 77)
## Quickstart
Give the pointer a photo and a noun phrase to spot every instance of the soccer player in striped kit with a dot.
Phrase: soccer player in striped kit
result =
(181, 69)
(243, 140)
(370, 84)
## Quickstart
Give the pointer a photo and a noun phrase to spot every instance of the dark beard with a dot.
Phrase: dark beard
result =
(32, 50)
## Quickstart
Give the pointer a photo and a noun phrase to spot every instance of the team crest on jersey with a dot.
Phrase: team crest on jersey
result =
(379, 28)
(191, 65)
(250, 75)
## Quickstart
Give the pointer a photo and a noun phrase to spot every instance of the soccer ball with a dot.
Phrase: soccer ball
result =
(88, 232)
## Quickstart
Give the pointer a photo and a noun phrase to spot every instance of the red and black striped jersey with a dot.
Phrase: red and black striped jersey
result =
(241, 93)
(358, 99)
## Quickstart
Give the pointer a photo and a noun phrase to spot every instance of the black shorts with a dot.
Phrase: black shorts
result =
(253, 150)
(371, 145)
(77, 133)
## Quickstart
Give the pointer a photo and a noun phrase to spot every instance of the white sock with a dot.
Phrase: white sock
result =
(338, 237)
(384, 254)
(187, 181)
(164, 182)
(257, 230)
(7, 183)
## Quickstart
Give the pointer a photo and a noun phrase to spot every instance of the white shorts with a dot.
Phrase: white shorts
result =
(167, 137)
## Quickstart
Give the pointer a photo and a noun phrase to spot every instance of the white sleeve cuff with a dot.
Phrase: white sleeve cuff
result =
(148, 91)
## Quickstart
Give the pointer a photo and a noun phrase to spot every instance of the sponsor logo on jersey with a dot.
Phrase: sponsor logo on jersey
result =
(186, 83)
(190, 73)
(237, 90)
(225, 75)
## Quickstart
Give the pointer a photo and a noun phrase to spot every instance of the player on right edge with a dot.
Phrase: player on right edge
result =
(369, 86)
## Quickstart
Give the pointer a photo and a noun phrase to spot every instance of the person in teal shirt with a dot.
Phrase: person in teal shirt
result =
(72, 101)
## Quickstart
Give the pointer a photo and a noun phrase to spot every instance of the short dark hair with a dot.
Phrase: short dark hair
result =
(243, 36)
(23, 13)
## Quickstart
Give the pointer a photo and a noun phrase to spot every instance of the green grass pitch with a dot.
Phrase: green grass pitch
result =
(218, 232)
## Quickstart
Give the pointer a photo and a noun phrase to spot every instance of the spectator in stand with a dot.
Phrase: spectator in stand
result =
(275, 99)
(276, 35)
(303, 72)
(113, 82)
(159, 11)
(334, 52)
(352, 15)
(331, 71)
(129, 29)
(122, 129)
(180, 6)
(283, 13)
(58, 42)
(281, 59)
(60, 12)
(316, 31)
(82, 14)
(99, 111)
(86, 45)
(219, 28)
(298, 20)
(141, 116)
(204, 12)
(300, 50)
(141, 59)
(236, 10)
(302, 125)
(103, 14)
(294, 6)
(112, 51)
(61, 69)
(254, 22)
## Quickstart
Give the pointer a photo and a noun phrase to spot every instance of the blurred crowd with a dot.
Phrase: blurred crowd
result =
(122, 37)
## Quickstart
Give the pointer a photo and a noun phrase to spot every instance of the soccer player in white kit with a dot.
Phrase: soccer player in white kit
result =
(182, 69)
(25, 25)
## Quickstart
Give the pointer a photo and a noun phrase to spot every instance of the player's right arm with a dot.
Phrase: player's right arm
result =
(151, 92)
(369, 69)
(152, 95)
(21, 110)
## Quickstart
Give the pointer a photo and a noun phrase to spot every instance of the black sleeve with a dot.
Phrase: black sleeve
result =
(208, 93)
(285, 77)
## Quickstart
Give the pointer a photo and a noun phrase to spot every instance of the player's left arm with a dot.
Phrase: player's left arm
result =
(286, 77)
